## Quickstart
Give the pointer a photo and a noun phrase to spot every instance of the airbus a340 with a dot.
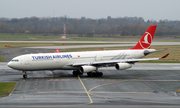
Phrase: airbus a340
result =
(87, 62)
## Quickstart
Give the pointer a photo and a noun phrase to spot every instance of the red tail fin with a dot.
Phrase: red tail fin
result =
(57, 51)
(146, 39)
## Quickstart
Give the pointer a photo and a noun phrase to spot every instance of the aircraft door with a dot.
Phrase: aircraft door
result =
(98, 57)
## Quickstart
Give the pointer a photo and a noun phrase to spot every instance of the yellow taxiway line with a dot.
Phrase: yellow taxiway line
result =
(85, 90)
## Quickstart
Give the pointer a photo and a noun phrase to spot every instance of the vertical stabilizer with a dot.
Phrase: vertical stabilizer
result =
(146, 39)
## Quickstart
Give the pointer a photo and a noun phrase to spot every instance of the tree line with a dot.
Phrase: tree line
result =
(125, 26)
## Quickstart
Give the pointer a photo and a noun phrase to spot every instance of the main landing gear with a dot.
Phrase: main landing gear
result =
(95, 74)
(76, 73)
(24, 74)
(90, 74)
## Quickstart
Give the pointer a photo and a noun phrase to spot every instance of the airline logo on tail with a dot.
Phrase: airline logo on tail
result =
(146, 39)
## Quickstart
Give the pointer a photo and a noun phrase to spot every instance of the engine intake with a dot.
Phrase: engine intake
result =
(121, 66)
(86, 69)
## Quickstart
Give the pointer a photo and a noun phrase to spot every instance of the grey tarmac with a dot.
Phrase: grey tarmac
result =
(153, 86)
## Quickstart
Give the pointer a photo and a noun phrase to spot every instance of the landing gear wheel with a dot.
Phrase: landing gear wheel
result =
(76, 73)
(25, 76)
(100, 74)
(89, 74)
(95, 74)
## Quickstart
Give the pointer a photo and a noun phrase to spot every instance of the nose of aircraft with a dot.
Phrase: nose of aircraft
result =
(11, 65)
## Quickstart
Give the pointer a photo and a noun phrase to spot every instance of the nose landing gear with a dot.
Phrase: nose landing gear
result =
(24, 74)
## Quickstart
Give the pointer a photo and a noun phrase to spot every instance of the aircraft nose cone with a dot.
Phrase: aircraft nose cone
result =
(9, 64)
(13, 65)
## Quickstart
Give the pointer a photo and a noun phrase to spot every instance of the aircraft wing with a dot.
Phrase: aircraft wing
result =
(116, 61)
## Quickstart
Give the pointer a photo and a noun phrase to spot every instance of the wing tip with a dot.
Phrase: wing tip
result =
(165, 56)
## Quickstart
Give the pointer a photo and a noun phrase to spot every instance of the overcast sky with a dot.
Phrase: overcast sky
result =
(148, 9)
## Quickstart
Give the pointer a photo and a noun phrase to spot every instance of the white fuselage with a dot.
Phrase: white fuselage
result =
(63, 61)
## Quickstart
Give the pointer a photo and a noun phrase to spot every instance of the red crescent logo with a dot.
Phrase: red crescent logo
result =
(146, 40)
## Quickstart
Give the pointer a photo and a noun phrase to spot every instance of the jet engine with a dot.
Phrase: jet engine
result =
(121, 66)
(86, 69)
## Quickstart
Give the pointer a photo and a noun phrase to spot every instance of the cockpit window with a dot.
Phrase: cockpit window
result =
(16, 60)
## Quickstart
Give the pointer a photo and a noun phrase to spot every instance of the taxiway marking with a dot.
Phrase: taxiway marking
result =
(62, 92)
(61, 79)
(131, 80)
(101, 92)
(26, 51)
(85, 90)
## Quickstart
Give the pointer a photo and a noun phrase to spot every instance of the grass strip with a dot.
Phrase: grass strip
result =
(3, 95)
(2, 59)
(7, 87)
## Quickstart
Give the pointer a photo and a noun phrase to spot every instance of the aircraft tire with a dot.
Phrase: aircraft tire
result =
(100, 74)
(95, 74)
(89, 74)
(25, 76)
(76, 73)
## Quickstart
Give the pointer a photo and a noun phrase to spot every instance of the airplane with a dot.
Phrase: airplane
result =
(87, 62)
